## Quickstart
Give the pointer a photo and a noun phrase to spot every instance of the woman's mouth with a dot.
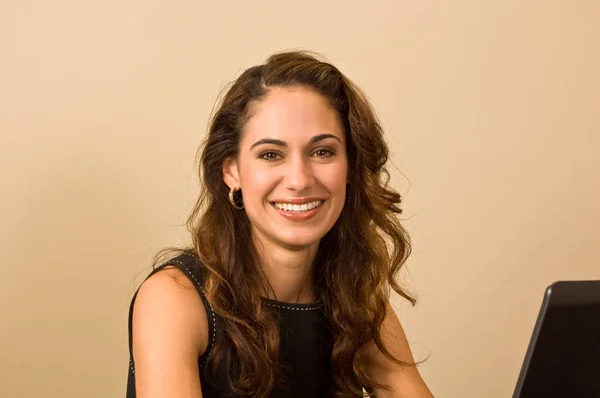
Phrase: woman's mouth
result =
(298, 208)
(298, 211)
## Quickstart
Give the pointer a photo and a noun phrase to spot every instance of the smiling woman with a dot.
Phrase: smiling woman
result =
(285, 161)
(285, 289)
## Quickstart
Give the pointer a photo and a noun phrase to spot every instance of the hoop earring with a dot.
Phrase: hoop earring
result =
(232, 199)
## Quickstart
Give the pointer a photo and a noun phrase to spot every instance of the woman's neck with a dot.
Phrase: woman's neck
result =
(287, 271)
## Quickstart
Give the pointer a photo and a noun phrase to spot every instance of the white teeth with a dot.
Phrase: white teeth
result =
(298, 208)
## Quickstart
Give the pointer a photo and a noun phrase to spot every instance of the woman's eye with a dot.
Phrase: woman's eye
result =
(324, 153)
(269, 156)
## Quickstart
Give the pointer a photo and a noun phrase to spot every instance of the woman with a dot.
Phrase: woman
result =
(296, 243)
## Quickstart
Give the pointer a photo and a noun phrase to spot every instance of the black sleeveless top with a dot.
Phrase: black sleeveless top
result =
(305, 344)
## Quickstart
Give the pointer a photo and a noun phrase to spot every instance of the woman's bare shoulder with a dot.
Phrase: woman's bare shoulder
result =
(170, 331)
(169, 300)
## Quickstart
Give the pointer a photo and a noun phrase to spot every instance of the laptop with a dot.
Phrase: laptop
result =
(563, 357)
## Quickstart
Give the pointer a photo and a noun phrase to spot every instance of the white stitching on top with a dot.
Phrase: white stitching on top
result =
(293, 308)
(212, 312)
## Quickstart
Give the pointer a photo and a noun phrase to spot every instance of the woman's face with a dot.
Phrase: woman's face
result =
(292, 167)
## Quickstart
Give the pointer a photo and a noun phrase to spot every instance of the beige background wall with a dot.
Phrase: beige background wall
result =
(492, 112)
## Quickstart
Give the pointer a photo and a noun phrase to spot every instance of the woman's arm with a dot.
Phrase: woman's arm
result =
(170, 331)
(406, 381)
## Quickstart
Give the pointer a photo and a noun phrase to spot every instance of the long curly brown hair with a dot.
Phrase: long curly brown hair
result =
(356, 262)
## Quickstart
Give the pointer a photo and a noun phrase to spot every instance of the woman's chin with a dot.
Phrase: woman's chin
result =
(298, 242)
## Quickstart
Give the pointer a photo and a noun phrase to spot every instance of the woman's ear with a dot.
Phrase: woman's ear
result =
(231, 176)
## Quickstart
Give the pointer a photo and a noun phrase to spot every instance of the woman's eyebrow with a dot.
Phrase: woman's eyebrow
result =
(274, 141)
(320, 137)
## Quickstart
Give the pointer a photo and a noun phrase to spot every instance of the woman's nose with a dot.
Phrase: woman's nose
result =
(299, 174)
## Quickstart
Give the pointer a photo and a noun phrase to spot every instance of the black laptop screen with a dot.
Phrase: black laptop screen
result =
(566, 356)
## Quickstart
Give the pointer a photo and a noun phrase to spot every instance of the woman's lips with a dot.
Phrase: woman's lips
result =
(298, 215)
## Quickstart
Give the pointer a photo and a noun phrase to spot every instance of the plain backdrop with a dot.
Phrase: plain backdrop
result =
(491, 109)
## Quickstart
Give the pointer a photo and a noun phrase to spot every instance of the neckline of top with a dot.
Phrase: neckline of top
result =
(292, 306)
